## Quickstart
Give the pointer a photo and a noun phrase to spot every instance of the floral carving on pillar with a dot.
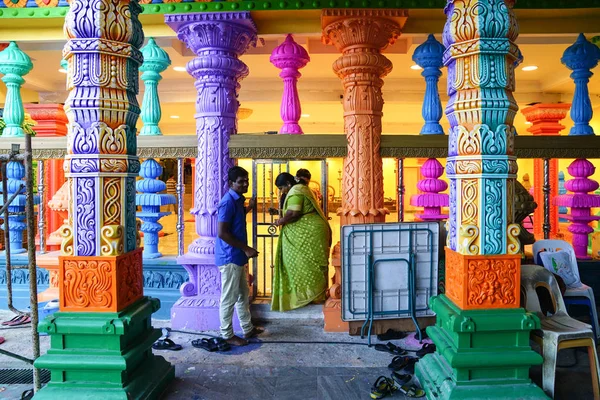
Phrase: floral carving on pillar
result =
(481, 55)
(360, 35)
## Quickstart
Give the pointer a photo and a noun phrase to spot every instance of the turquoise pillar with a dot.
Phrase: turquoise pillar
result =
(14, 64)
(156, 60)
(151, 200)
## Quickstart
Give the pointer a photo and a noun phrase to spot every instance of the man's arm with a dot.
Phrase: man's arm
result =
(225, 235)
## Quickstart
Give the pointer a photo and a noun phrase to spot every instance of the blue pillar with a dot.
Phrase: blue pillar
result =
(15, 172)
(429, 57)
(581, 57)
(156, 60)
(151, 200)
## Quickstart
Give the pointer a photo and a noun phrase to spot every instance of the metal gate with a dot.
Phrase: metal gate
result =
(264, 215)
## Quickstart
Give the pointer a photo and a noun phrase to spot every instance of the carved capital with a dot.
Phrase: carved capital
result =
(545, 118)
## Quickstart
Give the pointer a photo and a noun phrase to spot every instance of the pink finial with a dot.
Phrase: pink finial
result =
(580, 203)
(431, 199)
(290, 57)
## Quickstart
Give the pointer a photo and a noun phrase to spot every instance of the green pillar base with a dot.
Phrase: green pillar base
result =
(104, 355)
(481, 354)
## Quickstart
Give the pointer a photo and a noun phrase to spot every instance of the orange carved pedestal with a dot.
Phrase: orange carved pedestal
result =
(101, 284)
(332, 310)
(483, 281)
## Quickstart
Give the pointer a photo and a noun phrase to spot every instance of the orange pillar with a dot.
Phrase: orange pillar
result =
(51, 121)
(545, 121)
(360, 35)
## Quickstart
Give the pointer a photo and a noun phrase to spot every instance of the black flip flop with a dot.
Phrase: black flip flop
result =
(391, 335)
(221, 344)
(402, 362)
(390, 348)
(427, 348)
(166, 344)
(206, 344)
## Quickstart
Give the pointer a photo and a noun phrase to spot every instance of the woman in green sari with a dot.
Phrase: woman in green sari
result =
(302, 259)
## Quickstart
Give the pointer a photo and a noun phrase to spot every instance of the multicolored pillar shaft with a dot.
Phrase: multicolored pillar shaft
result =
(481, 354)
(360, 35)
(218, 40)
(100, 271)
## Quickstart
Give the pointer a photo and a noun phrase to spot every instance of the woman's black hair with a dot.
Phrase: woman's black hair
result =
(304, 174)
(285, 178)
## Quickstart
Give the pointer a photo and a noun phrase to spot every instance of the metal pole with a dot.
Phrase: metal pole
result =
(31, 255)
(400, 169)
(42, 206)
(546, 190)
(180, 227)
(7, 239)
(324, 187)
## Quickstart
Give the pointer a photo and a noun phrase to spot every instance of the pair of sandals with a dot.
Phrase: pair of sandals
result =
(385, 386)
(406, 363)
(18, 320)
(212, 344)
(390, 348)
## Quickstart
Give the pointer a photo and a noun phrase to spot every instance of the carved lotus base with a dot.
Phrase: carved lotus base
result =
(483, 281)
(100, 284)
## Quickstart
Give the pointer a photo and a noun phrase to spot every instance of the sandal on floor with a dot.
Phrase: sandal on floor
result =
(401, 362)
(205, 344)
(221, 344)
(16, 317)
(426, 349)
(411, 391)
(390, 348)
(391, 335)
(166, 344)
(382, 387)
(2, 340)
(22, 320)
(401, 379)
(27, 395)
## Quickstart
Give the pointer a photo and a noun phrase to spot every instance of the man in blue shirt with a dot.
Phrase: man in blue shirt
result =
(231, 255)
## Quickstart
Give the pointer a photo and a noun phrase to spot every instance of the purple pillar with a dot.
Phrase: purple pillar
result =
(289, 57)
(218, 40)
(581, 204)
(431, 199)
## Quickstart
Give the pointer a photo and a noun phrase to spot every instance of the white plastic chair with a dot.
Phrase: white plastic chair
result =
(583, 295)
(559, 331)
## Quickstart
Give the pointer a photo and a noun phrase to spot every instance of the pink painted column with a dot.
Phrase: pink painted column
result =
(580, 203)
(431, 199)
(290, 57)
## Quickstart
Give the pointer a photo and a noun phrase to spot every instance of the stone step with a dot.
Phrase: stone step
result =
(262, 312)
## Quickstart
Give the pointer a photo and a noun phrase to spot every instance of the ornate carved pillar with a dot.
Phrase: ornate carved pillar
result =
(156, 60)
(51, 121)
(14, 64)
(360, 35)
(482, 257)
(290, 57)
(100, 271)
(545, 121)
(218, 40)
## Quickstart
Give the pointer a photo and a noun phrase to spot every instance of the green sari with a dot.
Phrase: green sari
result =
(302, 259)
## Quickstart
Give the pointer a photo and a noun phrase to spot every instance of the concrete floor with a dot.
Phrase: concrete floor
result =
(285, 371)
